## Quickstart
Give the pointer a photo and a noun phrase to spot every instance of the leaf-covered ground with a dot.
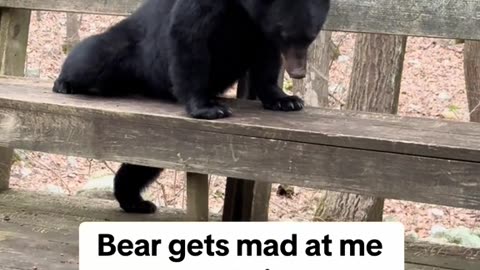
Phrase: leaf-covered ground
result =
(433, 86)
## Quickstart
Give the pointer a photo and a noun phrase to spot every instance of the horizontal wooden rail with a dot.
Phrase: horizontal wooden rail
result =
(430, 18)
(422, 160)
(434, 256)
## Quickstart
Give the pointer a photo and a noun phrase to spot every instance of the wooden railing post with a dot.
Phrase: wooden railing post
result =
(247, 200)
(14, 26)
(6, 158)
(197, 196)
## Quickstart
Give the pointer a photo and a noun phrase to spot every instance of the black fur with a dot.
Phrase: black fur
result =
(191, 51)
(129, 182)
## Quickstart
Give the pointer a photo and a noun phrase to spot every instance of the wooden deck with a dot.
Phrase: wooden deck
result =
(40, 231)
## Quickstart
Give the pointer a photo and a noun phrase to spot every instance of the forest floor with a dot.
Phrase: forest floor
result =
(432, 86)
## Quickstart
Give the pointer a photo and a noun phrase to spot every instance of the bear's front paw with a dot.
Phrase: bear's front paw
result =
(210, 112)
(62, 88)
(289, 103)
(140, 207)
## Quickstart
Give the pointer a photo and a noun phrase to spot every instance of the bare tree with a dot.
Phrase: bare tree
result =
(471, 55)
(375, 87)
(73, 31)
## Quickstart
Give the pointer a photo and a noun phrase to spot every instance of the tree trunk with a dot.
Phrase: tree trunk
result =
(471, 55)
(374, 87)
(73, 35)
(314, 87)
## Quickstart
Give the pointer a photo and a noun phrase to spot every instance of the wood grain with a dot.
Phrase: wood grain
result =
(40, 231)
(448, 257)
(197, 196)
(160, 135)
(6, 158)
(246, 200)
(430, 18)
(14, 26)
(409, 266)
(108, 7)
(239, 198)
(347, 129)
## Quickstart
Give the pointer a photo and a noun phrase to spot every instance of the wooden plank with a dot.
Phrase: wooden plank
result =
(19, 206)
(22, 248)
(107, 7)
(197, 196)
(14, 25)
(261, 201)
(6, 158)
(431, 18)
(238, 199)
(40, 230)
(347, 129)
(247, 200)
(410, 266)
(160, 135)
(448, 257)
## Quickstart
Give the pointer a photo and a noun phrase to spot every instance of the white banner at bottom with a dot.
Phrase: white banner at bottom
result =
(242, 245)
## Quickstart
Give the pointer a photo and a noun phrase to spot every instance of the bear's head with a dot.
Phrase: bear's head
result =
(292, 25)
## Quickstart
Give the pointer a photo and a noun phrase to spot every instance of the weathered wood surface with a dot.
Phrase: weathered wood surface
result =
(6, 158)
(14, 25)
(314, 148)
(260, 210)
(347, 129)
(40, 230)
(108, 7)
(409, 266)
(197, 196)
(445, 257)
(247, 200)
(433, 18)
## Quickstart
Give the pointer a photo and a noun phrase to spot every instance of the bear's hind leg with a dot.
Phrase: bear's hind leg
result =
(129, 182)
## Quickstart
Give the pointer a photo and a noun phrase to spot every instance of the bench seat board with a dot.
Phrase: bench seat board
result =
(41, 230)
(371, 154)
(431, 18)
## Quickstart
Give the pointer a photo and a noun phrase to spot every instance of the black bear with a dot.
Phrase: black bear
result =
(191, 51)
